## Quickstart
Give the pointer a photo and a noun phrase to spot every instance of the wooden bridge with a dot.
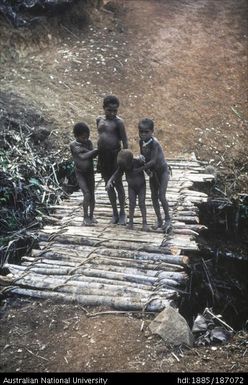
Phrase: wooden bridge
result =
(110, 265)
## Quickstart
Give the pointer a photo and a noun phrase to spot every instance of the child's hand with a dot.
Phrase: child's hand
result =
(149, 173)
(142, 158)
(95, 153)
(109, 185)
(138, 170)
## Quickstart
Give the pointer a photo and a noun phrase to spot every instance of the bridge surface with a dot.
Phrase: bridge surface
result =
(110, 265)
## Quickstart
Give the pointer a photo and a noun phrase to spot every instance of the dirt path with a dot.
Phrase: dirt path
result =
(182, 62)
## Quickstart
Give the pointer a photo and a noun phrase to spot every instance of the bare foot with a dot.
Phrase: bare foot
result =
(94, 220)
(114, 219)
(157, 225)
(166, 225)
(145, 227)
(122, 219)
(87, 222)
(130, 226)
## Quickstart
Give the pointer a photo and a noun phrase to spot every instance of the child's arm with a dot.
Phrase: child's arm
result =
(97, 122)
(117, 174)
(154, 157)
(123, 135)
(83, 153)
(88, 154)
(140, 162)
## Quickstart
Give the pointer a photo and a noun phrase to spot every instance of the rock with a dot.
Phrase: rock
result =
(172, 328)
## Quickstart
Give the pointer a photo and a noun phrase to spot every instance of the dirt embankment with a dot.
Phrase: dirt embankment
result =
(183, 63)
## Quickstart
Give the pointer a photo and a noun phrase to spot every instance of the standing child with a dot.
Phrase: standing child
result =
(83, 154)
(112, 134)
(151, 149)
(136, 183)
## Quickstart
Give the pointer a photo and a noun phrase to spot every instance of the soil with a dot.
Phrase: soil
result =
(181, 62)
(48, 337)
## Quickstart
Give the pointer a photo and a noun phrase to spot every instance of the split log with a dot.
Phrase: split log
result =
(185, 232)
(196, 227)
(77, 221)
(185, 247)
(80, 278)
(100, 274)
(175, 259)
(190, 207)
(73, 286)
(99, 259)
(127, 303)
(105, 235)
(115, 244)
(185, 213)
(185, 219)
(193, 193)
(177, 276)
(200, 177)
(5, 280)
(106, 232)
(28, 261)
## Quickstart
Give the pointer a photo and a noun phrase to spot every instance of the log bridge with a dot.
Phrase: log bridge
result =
(110, 265)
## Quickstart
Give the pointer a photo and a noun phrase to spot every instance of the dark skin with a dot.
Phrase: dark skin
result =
(112, 134)
(136, 185)
(83, 154)
(151, 149)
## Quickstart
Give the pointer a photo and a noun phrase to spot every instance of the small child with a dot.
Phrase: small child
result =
(136, 183)
(83, 154)
(112, 134)
(156, 165)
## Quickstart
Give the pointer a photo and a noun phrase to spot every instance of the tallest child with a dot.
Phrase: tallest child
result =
(112, 137)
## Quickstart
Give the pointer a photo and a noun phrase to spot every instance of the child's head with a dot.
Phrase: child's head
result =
(110, 105)
(125, 160)
(146, 129)
(81, 132)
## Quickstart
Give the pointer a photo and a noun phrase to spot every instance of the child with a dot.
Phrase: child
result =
(151, 149)
(136, 183)
(112, 133)
(83, 154)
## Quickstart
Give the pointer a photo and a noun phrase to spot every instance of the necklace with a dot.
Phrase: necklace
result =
(146, 143)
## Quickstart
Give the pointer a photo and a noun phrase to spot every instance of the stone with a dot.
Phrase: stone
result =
(172, 328)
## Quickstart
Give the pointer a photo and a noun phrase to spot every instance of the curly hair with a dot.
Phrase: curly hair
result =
(81, 128)
(147, 123)
(111, 99)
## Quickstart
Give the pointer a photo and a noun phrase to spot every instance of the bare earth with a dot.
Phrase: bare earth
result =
(46, 337)
(181, 62)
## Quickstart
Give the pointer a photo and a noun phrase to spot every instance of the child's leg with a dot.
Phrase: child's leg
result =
(142, 206)
(121, 196)
(82, 181)
(164, 179)
(132, 203)
(91, 184)
(112, 199)
(155, 202)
